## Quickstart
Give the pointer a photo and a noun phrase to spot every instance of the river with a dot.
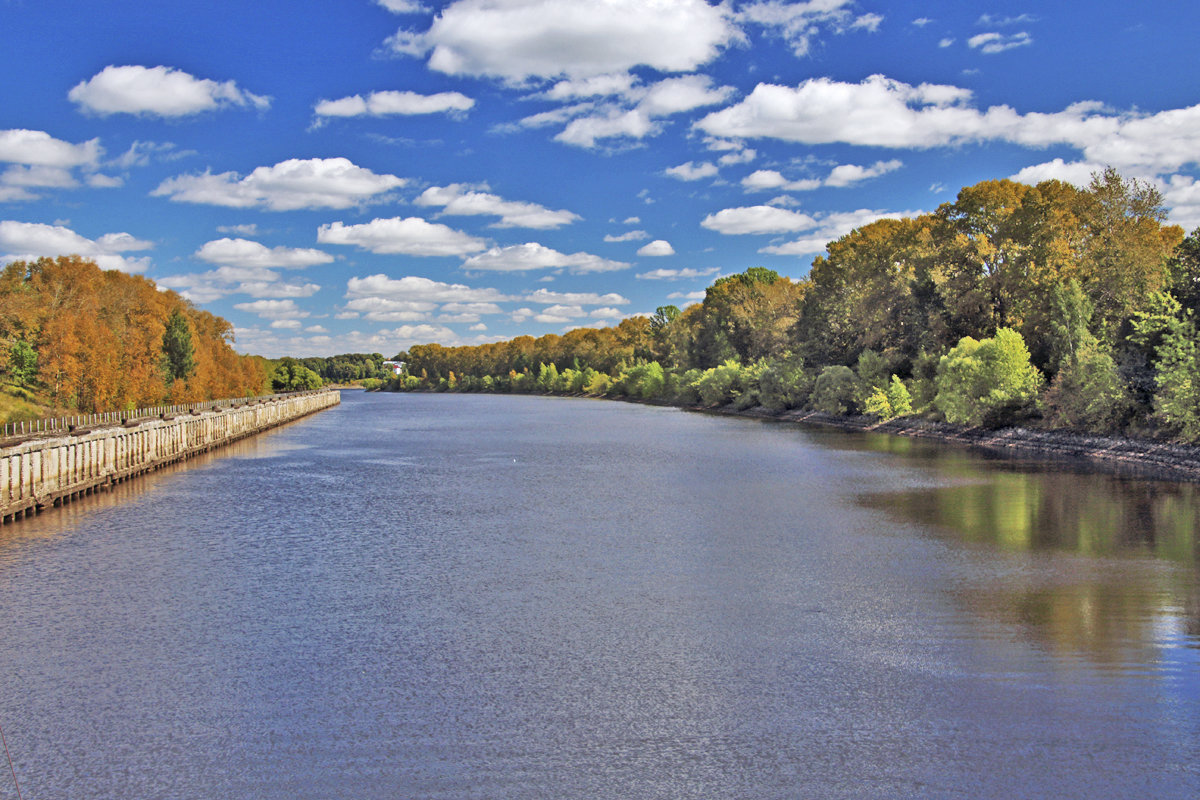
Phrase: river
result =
(456, 596)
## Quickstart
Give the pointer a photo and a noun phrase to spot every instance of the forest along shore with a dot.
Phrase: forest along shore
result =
(1116, 453)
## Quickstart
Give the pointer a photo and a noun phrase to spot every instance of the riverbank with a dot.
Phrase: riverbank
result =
(1159, 459)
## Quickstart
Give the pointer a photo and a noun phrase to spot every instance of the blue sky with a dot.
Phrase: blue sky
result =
(363, 175)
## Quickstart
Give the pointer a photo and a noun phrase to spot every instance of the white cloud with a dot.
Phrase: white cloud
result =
(830, 227)
(381, 104)
(692, 297)
(31, 240)
(461, 200)
(289, 324)
(757, 219)
(886, 113)
(693, 172)
(531, 256)
(287, 186)
(628, 236)
(273, 309)
(1000, 22)
(413, 289)
(594, 86)
(677, 274)
(517, 40)
(257, 282)
(771, 180)
(411, 236)
(1078, 173)
(161, 91)
(1182, 194)
(867, 22)
(946, 42)
(651, 103)
(849, 174)
(547, 297)
(38, 148)
(800, 23)
(744, 156)
(245, 253)
(403, 6)
(247, 229)
(991, 43)
(659, 247)
(141, 153)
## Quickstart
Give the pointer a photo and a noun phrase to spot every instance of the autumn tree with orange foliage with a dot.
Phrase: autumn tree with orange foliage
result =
(98, 337)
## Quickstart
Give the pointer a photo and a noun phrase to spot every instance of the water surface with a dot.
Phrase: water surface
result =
(416, 596)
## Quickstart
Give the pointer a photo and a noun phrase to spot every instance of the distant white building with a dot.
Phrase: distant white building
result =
(397, 366)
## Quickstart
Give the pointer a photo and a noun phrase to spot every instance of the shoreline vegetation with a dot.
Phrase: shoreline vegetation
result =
(1042, 319)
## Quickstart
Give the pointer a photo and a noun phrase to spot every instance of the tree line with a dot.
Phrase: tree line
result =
(74, 337)
(1044, 304)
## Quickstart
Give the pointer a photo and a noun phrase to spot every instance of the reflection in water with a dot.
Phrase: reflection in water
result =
(1113, 607)
(1085, 513)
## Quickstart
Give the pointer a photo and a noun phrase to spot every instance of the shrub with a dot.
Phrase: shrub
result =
(986, 382)
(835, 390)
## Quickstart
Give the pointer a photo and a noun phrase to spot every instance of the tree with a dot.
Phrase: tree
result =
(986, 382)
(179, 354)
(292, 376)
(22, 361)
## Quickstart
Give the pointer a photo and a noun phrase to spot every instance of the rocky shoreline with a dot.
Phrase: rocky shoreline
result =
(1143, 457)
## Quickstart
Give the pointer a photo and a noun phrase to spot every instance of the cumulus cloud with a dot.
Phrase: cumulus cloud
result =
(849, 174)
(991, 43)
(382, 104)
(287, 186)
(245, 253)
(691, 171)
(39, 161)
(771, 180)
(273, 309)
(886, 113)
(659, 247)
(547, 297)
(757, 219)
(403, 6)
(414, 289)
(686, 273)
(1078, 173)
(829, 227)
(642, 108)
(411, 236)
(628, 236)
(594, 86)
(158, 91)
(31, 240)
(38, 148)
(248, 278)
(461, 200)
(531, 256)
(518, 40)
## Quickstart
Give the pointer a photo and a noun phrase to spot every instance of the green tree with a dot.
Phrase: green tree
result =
(22, 362)
(986, 382)
(292, 376)
(179, 354)
(835, 391)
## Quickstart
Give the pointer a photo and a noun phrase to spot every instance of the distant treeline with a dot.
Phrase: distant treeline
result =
(76, 337)
(1040, 304)
(296, 374)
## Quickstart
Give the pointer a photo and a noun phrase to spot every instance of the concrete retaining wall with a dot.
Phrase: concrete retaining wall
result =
(53, 469)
